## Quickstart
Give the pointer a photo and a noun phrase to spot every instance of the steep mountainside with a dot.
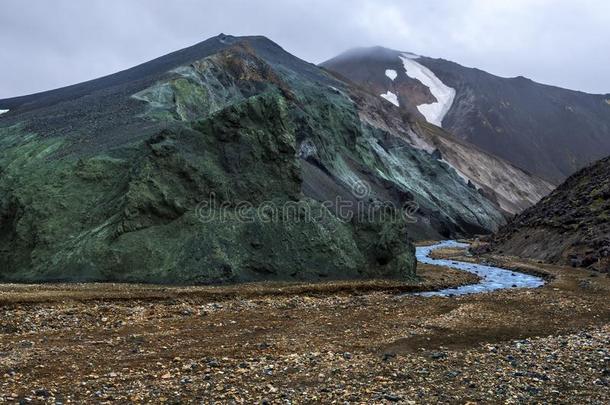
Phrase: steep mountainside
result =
(228, 161)
(548, 131)
(571, 225)
(510, 187)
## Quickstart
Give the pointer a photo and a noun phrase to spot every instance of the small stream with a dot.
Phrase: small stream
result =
(492, 278)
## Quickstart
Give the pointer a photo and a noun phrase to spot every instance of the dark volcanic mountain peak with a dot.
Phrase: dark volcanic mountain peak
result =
(548, 131)
(98, 109)
(130, 80)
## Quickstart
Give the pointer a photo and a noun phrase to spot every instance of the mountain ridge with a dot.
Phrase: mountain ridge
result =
(367, 50)
(531, 125)
(153, 67)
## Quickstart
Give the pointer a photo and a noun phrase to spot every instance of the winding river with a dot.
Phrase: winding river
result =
(492, 278)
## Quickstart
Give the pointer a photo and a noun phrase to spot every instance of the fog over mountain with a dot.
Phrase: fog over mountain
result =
(46, 45)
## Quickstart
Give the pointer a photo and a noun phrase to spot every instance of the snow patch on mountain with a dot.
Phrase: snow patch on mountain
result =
(391, 97)
(391, 73)
(3, 111)
(433, 112)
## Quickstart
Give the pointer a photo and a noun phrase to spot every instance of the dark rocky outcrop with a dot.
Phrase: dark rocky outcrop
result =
(571, 226)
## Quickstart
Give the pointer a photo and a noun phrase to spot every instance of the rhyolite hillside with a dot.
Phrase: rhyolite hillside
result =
(159, 174)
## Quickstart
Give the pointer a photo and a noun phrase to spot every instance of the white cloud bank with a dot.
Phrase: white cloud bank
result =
(51, 44)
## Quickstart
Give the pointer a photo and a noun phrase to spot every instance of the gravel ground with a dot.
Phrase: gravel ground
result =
(337, 342)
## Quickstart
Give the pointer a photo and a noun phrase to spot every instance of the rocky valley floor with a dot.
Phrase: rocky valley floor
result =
(356, 342)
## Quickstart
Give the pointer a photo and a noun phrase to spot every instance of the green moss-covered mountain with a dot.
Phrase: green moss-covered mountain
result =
(228, 161)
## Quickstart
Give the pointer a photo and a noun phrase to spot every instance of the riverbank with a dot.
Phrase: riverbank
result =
(545, 344)
(492, 278)
(429, 278)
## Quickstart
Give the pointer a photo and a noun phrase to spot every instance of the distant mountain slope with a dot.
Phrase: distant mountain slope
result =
(174, 171)
(511, 188)
(571, 225)
(548, 131)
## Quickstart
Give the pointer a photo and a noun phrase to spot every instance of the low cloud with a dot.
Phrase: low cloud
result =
(51, 44)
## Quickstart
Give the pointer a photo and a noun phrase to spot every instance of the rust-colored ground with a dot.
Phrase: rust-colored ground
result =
(343, 341)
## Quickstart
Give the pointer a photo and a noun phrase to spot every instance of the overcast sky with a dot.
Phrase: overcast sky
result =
(47, 44)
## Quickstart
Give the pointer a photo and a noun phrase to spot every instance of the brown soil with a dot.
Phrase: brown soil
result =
(429, 278)
(344, 341)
